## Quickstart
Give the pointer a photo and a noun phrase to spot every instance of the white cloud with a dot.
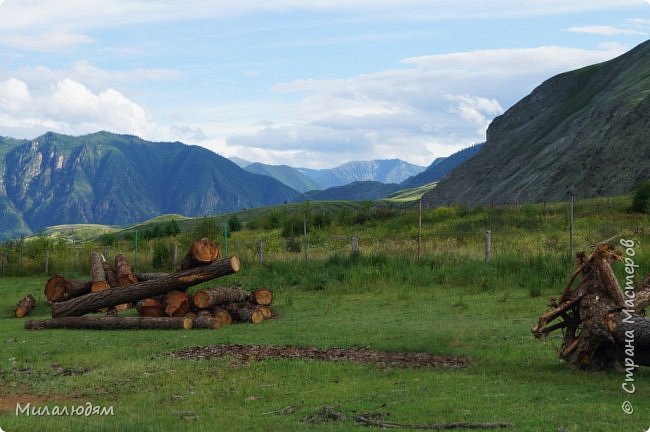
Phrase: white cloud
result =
(51, 40)
(440, 102)
(27, 24)
(69, 106)
(605, 30)
(14, 95)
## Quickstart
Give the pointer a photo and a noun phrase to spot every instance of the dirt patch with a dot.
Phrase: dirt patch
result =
(359, 355)
(8, 401)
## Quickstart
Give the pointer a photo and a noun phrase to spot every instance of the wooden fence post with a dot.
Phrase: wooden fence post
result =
(571, 226)
(355, 244)
(260, 251)
(419, 228)
(488, 245)
(47, 263)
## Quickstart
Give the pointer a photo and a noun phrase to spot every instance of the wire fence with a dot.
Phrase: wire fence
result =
(165, 254)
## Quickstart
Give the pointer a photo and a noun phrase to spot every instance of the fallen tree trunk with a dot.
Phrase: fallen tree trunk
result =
(201, 252)
(142, 277)
(111, 323)
(58, 288)
(600, 323)
(175, 281)
(24, 306)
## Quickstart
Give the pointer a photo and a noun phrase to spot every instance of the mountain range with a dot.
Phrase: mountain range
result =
(584, 132)
(306, 179)
(119, 179)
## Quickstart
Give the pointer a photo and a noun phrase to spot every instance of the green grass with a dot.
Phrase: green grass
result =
(449, 303)
(411, 194)
(381, 302)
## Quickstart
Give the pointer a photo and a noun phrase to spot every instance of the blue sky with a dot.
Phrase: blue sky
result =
(305, 83)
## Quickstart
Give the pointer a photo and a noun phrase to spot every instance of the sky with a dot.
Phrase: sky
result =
(311, 83)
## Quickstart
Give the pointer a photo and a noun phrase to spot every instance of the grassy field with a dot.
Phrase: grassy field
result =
(448, 303)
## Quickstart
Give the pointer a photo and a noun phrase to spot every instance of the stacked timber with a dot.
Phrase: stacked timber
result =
(160, 299)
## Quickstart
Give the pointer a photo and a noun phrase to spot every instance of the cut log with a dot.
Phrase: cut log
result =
(24, 306)
(111, 323)
(201, 252)
(598, 321)
(204, 313)
(111, 278)
(211, 297)
(175, 281)
(150, 307)
(208, 298)
(98, 274)
(58, 288)
(141, 277)
(222, 315)
(206, 323)
(176, 303)
(263, 297)
(267, 313)
(124, 271)
(245, 313)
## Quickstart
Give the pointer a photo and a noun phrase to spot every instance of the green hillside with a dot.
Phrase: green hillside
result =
(113, 179)
(584, 132)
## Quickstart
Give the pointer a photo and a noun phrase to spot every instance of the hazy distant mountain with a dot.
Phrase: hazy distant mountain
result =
(119, 179)
(586, 131)
(384, 171)
(243, 163)
(290, 176)
(441, 167)
(355, 191)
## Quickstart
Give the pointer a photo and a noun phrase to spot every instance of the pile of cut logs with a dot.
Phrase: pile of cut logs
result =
(160, 299)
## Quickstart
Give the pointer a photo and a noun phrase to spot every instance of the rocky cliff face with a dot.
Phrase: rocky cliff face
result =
(585, 132)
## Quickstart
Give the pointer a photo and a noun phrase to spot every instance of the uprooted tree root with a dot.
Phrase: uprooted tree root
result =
(602, 325)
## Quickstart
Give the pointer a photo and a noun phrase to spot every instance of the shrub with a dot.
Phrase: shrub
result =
(641, 199)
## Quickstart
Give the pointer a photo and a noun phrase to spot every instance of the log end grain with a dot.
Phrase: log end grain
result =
(263, 296)
(204, 250)
(24, 306)
(201, 299)
(150, 307)
(55, 288)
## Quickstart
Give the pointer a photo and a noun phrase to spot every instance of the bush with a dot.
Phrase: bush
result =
(234, 224)
(641, 199)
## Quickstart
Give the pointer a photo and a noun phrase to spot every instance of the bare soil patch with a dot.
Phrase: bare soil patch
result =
(358, 355)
